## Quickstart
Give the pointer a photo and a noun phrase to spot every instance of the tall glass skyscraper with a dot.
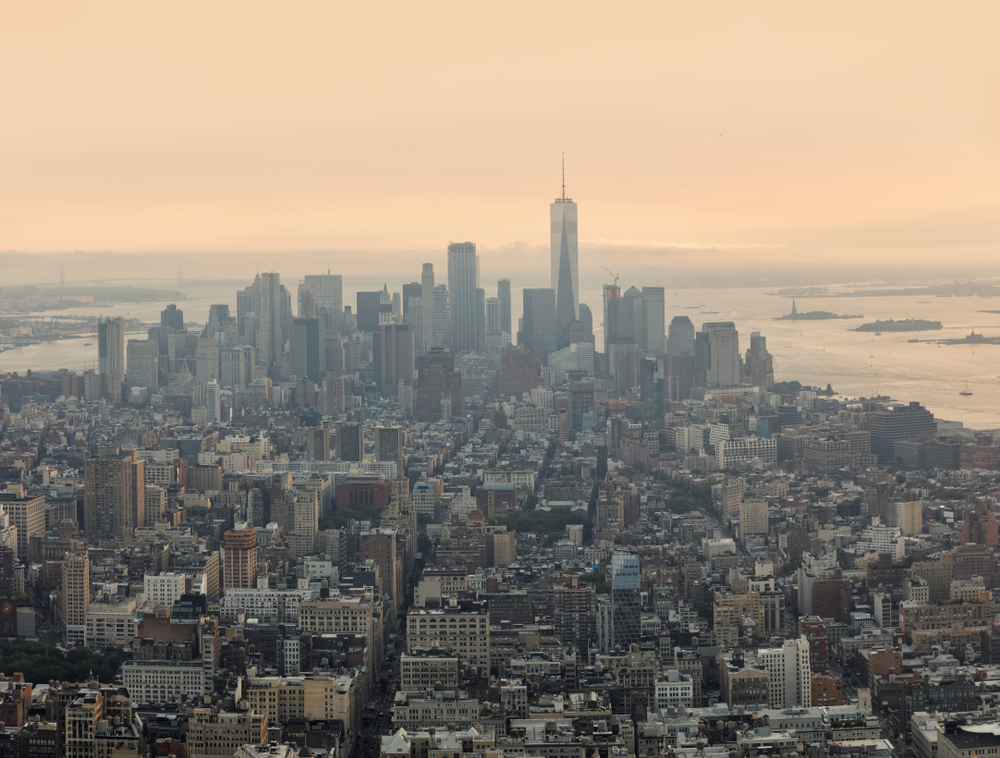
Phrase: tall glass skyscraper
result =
(565, 272)
(626, 603)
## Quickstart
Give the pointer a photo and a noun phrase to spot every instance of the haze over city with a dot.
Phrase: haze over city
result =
(512, 381)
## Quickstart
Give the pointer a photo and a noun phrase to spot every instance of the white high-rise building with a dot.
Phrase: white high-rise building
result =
(427, 303)
(790, 676)
(724, 350)
(462, 282)
(441, 311)
(654, 313)
(565, 268)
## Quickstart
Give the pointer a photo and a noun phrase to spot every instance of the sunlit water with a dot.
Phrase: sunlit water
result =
(812, 352)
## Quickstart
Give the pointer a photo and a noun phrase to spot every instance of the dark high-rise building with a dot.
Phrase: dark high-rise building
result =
(581, 402)
(538, 324)
(651, 392)
(899, 422)
(368, 309)
(679, 371)
(462, 281)
(439, 387)
(388, 443)
(172, 317)
(759, 363)
(219, 318)
(350, 441)
(480, 320)
(503, 295)
(308, 349)
(392, 347)
(520, 372)
(702, 359)
(680, 338)
(574, 614)
(413, 289)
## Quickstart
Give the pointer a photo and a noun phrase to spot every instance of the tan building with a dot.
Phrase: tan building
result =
(213, 733)
(315, 696)
(464, 631)
(909, 517)
(358, 615)
(731, 613)
(27, 515)
(743, 685)
(504, 553)
(74, 596)
(424, 669)
(731, 496)
(753, 518)
(88, 708)
(305, 524)
(114, 503)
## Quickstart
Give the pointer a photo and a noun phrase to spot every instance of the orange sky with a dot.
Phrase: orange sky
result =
(867, 131)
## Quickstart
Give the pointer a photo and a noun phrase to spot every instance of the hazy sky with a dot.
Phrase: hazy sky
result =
(868, 131)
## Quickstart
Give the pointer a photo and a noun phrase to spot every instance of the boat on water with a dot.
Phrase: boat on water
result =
(878, 334)
(913, 340)
(87, 344)
(965, 392)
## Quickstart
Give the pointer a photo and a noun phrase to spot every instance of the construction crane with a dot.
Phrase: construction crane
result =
(612, 274)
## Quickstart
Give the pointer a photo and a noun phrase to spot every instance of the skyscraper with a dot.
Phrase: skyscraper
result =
(760, 364)
(267, 304)
(654, 318)
(327, 290)
(142, 358)
(368, 309)
(441, 312)
(395, 359)
(172, 317)
(213, 401)
(74, 596)
(538, 323)
(626, 604)
(480, 320)
(503, 295)
(111, 355)
(428, 303)
(335, 398)
(564, 268)
(208, 356)
(114, 494)
(680, 339)
(462, 295)
(492, 317)
(305, 523)
(218, 318)
(612, 293)
(439, 387)
(724, 352)
(350, 441)
(308, 349)
(388, 443)
(411, 290)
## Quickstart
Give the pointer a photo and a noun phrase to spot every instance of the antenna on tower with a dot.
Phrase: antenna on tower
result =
(564, 174)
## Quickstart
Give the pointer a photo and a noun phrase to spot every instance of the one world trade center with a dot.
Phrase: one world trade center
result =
(565, 274)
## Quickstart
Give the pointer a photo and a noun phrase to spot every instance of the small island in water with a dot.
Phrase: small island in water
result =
(809, 315)
(903, 325)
